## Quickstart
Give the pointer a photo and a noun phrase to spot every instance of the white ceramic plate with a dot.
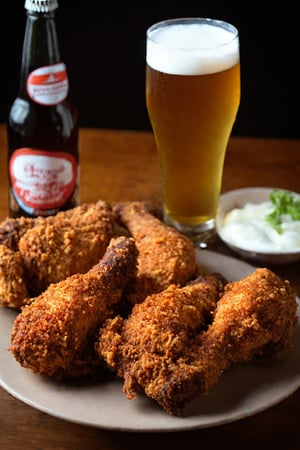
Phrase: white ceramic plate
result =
(241, 392)
(237, 199)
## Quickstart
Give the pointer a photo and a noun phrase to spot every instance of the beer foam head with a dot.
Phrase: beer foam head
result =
(192, 47)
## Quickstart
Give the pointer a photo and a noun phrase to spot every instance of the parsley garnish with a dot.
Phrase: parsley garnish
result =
(285, 203)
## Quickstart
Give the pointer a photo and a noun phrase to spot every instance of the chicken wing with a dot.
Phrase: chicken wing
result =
(68, 243)
(165, 255)
(55, 334)
(254, 318)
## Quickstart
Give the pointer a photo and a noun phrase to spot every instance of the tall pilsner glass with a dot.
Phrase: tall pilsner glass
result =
(192, 97)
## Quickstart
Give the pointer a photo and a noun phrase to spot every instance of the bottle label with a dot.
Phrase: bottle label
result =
(42, 180)
(48, 85)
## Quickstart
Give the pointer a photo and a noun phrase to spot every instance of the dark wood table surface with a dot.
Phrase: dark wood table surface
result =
(123, 165)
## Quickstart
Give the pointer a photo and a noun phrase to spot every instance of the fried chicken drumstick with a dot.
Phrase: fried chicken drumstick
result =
(165, 255)
(254, 318)
(55, 334)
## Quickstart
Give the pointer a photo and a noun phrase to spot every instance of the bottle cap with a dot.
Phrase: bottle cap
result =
(41, 6)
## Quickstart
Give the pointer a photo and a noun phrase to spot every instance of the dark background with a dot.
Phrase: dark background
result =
(104, 49)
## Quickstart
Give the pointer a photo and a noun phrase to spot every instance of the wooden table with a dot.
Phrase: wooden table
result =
(123, 165)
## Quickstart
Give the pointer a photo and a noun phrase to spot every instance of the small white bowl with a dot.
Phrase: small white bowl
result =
(237, 199)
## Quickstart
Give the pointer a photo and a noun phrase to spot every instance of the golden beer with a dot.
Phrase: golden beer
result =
(192, 97)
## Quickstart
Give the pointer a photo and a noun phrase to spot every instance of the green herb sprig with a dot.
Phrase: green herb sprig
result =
(285, 203)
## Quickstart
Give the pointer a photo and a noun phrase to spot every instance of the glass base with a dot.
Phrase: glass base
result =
(202, 235)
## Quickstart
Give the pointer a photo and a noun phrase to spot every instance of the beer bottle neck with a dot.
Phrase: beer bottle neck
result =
(40, 47)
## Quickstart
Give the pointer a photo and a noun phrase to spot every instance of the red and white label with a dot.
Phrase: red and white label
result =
(42, 180)
(48, 85)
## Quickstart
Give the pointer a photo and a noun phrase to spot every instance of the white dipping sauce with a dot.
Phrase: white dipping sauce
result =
(248, 229)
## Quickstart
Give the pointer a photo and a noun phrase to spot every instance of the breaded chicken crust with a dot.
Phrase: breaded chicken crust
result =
(13, 289)
(68, 243)
(166, 256)
(12, 229)
(55, 334)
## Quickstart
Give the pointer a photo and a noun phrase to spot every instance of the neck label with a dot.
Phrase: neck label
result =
(48, 85)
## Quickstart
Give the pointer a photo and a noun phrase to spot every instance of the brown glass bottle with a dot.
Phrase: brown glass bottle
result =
(42, 126)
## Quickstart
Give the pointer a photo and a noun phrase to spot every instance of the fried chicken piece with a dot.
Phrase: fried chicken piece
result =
(55, 334)
(11, 230)
(13, 290)
(255, 318)
(157, 333)
(70, 242)
(165, 255)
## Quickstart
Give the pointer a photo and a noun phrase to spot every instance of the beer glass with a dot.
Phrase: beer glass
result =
(192, 98)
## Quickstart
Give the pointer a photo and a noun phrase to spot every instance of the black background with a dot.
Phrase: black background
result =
(104, 49)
